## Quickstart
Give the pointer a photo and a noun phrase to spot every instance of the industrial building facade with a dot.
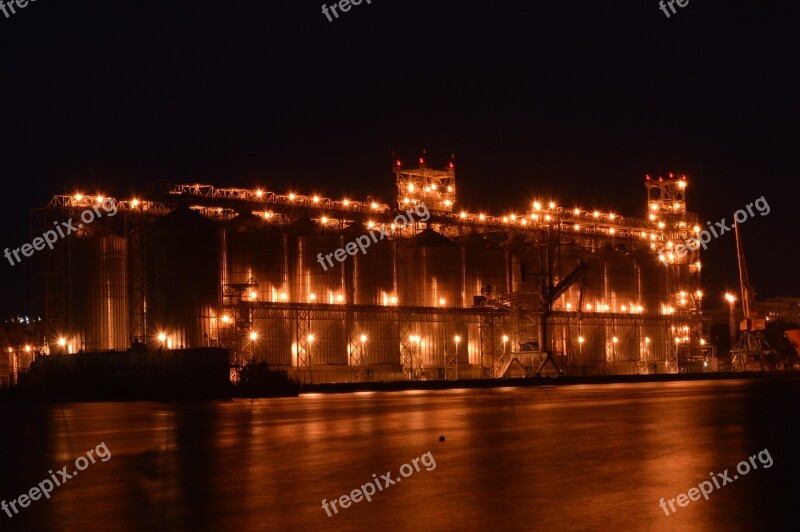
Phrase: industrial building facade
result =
(460, 295)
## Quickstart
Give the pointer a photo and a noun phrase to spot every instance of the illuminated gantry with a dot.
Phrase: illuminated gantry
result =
(666, 196)
(435, 188)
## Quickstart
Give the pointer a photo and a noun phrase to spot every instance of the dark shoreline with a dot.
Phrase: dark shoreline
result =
(12, 396)
(333, 388)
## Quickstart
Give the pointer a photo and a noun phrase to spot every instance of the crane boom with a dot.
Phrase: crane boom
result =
(744, 279)
(751, 320)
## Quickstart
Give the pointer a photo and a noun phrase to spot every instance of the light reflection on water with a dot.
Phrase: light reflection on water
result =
(586, 457)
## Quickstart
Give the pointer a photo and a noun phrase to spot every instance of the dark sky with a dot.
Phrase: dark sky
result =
(575, 100)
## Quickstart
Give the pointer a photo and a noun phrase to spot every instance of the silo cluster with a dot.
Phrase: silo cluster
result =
(427, 301)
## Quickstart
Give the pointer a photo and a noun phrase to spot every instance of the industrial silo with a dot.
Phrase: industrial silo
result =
(317, 283)
(620, 290)
(257, 250)
(430, 274)
(329, 346)
(653, 281)
(381, 346)
(184, 271)
(372, 280)
(484, 268)
(430, 271)
(273, 343)
(525, 266)
(312, 277)
(434, 340)
(620, 296)
(370, 275)
(97, 302)
(314, 281)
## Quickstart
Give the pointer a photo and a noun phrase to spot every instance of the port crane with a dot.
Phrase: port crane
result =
(751, 341)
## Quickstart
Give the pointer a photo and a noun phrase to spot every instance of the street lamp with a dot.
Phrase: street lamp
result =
(357, 357)
(225, 319)
(731, 299)
(581, 339)
(457, 340)
(415, 340)
(253, 338)
(614, 341)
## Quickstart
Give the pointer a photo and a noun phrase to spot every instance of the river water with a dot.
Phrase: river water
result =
(584, 457)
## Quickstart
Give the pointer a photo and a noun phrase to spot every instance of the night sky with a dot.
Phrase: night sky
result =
(575, 101)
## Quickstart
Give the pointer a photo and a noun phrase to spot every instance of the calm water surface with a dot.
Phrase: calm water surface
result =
(591, 457)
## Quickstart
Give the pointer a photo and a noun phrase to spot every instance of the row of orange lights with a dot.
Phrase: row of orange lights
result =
(614, 340)
(312, 297)
(134, 202)
(28, 348)
(633, 309)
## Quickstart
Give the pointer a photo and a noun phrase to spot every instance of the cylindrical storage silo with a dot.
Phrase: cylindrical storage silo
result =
(98, 290)
(653, 282)
(484, 268)
(594, 347)
(257, 250)
(525, 263)
(430, 271)
(370, 275)
(594, 296)
(184, 271)
(274, 342)
(312, 277)
(382, 344)
(330, 343)
(620, 287)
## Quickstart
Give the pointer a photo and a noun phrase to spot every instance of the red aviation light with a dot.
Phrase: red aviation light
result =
(421, 160)
(398, 164)
(451, 165)
(671, 175)
(647, 177)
